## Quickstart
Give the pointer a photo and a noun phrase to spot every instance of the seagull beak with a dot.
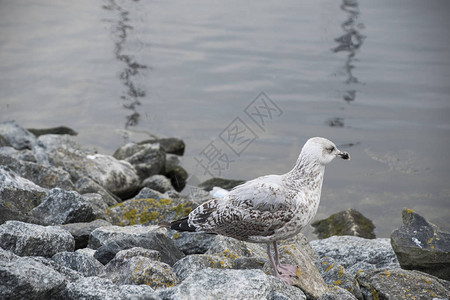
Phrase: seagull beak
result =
(344, 155)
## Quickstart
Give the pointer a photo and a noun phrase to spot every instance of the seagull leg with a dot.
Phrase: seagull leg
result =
(289, 270)
(286, 278)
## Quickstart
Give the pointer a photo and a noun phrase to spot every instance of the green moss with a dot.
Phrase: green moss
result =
(131, 216)
(148, 216)
(182, 210)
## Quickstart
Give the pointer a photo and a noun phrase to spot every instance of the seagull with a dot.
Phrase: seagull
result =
(269, 208)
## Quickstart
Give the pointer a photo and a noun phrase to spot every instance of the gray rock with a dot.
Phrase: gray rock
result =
(81, 231)
(84, 264)
(138, 251)
(147, 159)
(227, 184)
(21, 155)
(347, 222)
(148, 211)
(99, 207)
(34, 240)
(4, 142)
(95, 288)
(349, 251)
(116, 176)
(43, 175)
(86, 251)
(191, 243)
(191, 264)
(169, 145)
(146, 193)
(10, 214)
(221, 284)
(68, 273)
(86, 185)
(178, 177)
(158, 183)
(421, 245)
(61, 207)
(107, 252)
(18, 193)
(17, 136)
(136, 269)
(337, 293)
(401, 284)
(335, 275)
(54, 130)
(149, 237)
(290, 251)
(25, 278)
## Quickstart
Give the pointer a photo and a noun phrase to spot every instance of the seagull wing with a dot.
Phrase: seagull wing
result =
(255, 208)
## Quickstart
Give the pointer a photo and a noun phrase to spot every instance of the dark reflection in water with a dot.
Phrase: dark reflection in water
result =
(350, 42)
(132, 94)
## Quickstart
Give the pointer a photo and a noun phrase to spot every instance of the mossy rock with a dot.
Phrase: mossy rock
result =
(149, 211)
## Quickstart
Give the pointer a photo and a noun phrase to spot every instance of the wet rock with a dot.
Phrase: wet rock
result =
(43, 175)
(190, 243)
(54, 130)
(178, 177)
(227, 184)
(149, 237)
(116, 176)
(158, 183)
(169, 145)
(335, 275)
(401, 284)
(84, 264)
(86, 185)
(81, 231)
(421, 245)
(61, 207)
(355, 253)
(25, 278)
(135, 266)
(17, 136)
(221, 284)
(149, 210)
(34, 240)
(147, 159)
(290, 251)
(347, 222)
(95, 288)
(18, 193)
(337, 293)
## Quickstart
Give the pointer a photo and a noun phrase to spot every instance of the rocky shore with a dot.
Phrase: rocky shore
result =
(76, 224)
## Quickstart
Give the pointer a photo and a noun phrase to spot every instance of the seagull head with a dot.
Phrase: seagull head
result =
(323, 150)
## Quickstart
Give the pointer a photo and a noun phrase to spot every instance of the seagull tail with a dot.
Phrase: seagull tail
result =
(178, 225)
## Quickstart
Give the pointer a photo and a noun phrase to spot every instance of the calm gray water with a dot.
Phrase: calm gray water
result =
(373, 76)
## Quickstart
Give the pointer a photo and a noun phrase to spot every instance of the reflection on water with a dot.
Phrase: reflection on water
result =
(350, 42)
(120, 29)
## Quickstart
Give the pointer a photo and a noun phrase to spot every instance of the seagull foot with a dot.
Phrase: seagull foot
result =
(289, 270)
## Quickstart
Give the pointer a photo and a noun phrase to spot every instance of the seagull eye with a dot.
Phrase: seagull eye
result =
(330, 149)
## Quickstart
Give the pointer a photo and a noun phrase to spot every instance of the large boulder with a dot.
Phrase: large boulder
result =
(34, 240)
(148, 237)
(61, 207)
(138, 266)
(355, 253)
(169, 145)
(224, 284)
(401, 284)
(421, 245)
(347, 222)
(116, 176)
(18, 193)
(147, 159)
(82, 263)
(26, 278)
(149, 210)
